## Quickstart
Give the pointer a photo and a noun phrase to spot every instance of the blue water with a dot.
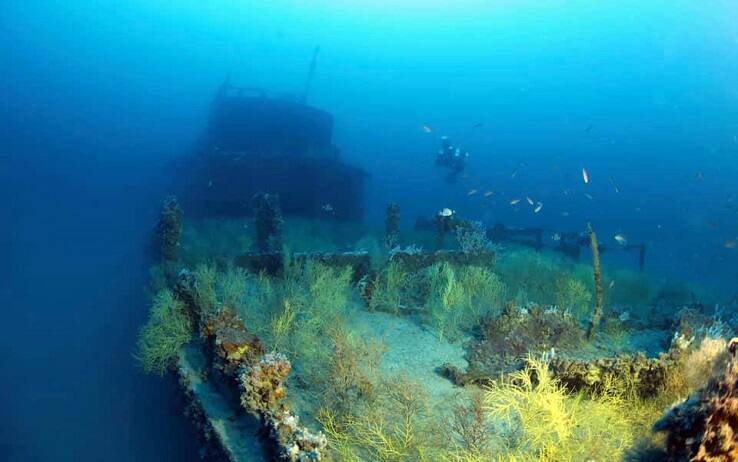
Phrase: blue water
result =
(97, 97)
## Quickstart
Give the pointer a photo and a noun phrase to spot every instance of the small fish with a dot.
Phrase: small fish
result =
(699, 176)
(621, 239)
(479, 125)
(565, 214)
(514, 173)
(589, 196)
(538, 208)
(427, 128)
(588, 128)
(612, 284)
(445, 212)
(730, 244)
(530, 201)
(465, 176)
(614, 186)
(514, 201)
(488, 193)
(471, 192)
(210, 184)
(585, 176)
(327, 208)
(556, 237)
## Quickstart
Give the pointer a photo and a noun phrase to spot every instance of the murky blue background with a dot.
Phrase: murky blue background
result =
(97, 96)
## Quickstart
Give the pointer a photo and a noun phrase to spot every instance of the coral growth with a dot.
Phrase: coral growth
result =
(471, 237)
(645, 376)
(351, 371)
(472, 427)
(239, 355)
(693, 323)
(707, 361)
(296, 442)
(268, 221)
(318, 292)
(394, 428)
(263, 384)
(545, 423)
(263, 393)
(228, 338)
(594, 322)
(169, 228)
(704, 427)
(168, 328)
(505, 340)
(392, 226)
(388, 291)
(530, 275)
(458, 297)
(573, 295)
(233, 344)
(444, 224)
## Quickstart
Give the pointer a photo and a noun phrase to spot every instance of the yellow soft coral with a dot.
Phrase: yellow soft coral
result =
(168, 328)
(548, 424)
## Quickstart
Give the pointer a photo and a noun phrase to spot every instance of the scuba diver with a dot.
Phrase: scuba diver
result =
(451, 157)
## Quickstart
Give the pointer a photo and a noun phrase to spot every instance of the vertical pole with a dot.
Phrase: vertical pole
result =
(599, 294)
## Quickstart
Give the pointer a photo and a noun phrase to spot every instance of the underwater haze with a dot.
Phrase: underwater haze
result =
(99, 100)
